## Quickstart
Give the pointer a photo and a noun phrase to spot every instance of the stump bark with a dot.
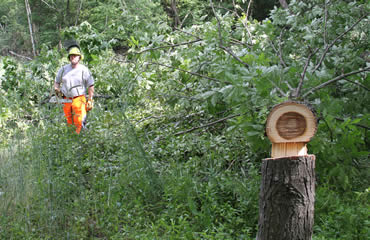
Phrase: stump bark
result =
(287, 198)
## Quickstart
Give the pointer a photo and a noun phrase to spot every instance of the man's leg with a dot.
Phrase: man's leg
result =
(79, 112)
(67, 109)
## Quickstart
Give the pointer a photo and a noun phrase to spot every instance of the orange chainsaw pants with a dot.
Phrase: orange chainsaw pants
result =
(75, 112)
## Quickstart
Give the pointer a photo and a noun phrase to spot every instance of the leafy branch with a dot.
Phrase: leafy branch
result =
(335, 40)
(221, 45)
(327, 48)
(279, 51)
(298, 90)
(342, 76)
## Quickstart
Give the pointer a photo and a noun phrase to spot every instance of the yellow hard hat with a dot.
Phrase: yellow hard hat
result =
(75, 51)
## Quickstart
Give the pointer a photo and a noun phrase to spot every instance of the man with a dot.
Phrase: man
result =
(71, 82)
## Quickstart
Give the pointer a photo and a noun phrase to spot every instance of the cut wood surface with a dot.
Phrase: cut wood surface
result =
(291, 122)
(288, 149)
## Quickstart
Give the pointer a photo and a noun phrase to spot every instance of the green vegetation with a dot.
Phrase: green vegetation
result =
(174, 143)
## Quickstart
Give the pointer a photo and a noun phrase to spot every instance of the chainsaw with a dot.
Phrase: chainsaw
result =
(55, 99)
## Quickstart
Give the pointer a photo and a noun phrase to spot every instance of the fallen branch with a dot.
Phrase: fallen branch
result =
(207, 125)
(334, 80)
(20, 56)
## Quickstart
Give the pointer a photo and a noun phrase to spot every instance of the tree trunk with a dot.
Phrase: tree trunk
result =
(78, 12)
(28, 9)
(283, 3)
(68, 11)
(176, 18)
(287, 198)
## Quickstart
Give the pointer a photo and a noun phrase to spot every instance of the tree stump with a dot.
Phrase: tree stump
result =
(287, 192)
(287, 198)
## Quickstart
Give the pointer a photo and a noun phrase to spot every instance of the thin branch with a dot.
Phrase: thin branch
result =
(246, 17)
(218, 23)
(279, 89)
(336, 39)
(280, 50)
(147, 118)
(356, 83)
(278, 53)
(299, 88)
(182, 70)
(190, 34)
(186, 16)
(226, 9)
(18, 55)
(29, 19)
(52, 7)
(236, 41)
(161, 47)
(248, 8)
(289, 86)
(334, 80)
(207, 125)
(229, 51)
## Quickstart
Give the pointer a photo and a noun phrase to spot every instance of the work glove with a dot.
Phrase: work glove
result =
(89, 105)
(58, 93)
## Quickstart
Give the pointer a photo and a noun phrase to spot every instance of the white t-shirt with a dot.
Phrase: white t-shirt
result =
(74, 81)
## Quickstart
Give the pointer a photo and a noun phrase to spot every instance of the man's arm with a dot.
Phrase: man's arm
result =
(56, 86)
(91, 92)
(57, 91)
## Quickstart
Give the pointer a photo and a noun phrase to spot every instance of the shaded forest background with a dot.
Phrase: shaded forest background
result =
(173, 146)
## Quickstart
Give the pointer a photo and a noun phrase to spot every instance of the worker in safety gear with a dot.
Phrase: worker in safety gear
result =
(72, 82)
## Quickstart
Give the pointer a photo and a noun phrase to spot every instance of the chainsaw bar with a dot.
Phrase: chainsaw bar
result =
(55, 99)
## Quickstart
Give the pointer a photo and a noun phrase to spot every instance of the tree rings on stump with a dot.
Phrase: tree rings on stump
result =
(289, 127)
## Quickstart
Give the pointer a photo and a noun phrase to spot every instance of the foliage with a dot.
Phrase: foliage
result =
(174, 143)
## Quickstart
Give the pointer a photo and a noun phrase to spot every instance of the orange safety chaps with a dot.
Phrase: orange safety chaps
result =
(75, 112)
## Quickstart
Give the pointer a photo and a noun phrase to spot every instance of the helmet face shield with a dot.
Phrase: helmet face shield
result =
(75, 51)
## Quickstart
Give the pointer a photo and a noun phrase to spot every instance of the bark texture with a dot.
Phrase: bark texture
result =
(287, 198)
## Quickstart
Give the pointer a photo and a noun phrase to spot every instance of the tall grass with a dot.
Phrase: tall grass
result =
(104, 183)
(58, 183)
